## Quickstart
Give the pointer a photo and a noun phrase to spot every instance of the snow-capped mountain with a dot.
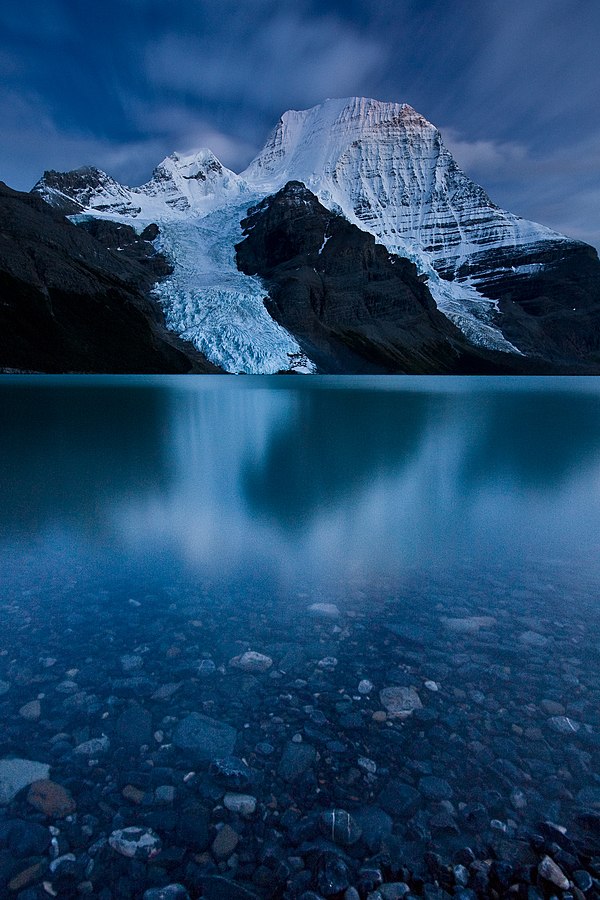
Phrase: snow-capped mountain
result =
(385, 168)
(179, 184)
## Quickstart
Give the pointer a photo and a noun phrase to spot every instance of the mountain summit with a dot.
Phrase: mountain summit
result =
(510, 285)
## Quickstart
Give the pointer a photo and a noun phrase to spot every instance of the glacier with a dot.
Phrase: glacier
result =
(382, 165)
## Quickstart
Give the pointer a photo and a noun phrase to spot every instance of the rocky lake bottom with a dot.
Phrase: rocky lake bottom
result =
(299, 639)
(182, 743)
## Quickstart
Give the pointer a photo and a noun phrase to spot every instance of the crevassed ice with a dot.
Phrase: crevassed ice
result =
(219, 309)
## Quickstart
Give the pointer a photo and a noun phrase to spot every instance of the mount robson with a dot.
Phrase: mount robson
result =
(353, 243)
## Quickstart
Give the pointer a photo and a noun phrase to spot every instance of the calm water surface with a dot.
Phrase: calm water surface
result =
(152, 529)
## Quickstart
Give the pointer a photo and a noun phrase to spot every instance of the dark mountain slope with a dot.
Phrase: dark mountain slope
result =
(351, 305)
(70, 303)
(548, 298)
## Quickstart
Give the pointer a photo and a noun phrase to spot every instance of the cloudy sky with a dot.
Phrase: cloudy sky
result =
(514, 85)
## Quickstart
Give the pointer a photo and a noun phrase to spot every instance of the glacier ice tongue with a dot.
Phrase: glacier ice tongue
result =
(209, 302)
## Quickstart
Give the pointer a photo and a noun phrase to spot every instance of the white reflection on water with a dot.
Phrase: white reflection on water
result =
(336, 479)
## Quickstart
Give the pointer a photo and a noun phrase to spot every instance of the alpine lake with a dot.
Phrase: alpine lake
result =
(299, 637)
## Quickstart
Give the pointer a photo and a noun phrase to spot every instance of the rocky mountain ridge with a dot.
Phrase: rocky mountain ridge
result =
(77, 298)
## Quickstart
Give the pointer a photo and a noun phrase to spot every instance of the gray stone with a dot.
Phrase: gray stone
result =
(225, 842)
(206, 668)
(552, 708)
(553, 873)
(339, 826)
(131, 662)
(204, 738)
(400, 702)
(15, 774)
(563, 725)
(469, 624)
(4, 687)
(400, 799)
(31, 711)
(376, 825)
(165, 794)
(134, 726)
(166, 691)
(296, 759)
(244, 804)
(533, 639)
(67, 687)
(394, 890)
(251, 661)
(94, 747)
(435, 788)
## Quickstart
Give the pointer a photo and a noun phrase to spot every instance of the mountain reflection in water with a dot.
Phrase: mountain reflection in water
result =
(299, 475)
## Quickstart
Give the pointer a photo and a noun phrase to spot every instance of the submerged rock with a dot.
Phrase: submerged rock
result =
(31, 711)
(51, 798)
(469, 624)
(251, 661)
(324, 610)
(244, 804)
(136, 843)
(400, 702)
(339, 825)
(553, 873)
(204, 738)
(296, 759)
(15, 774)
(169, 892)
(93, 747)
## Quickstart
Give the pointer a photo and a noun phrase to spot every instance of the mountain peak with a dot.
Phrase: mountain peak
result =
(311, 143)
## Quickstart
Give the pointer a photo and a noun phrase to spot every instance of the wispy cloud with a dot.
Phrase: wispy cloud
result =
(286, 60)
(123, 83)
(557, 186)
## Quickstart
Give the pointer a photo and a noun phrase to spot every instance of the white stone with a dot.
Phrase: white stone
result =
(138, 843)
(328, 662)
(324, 610)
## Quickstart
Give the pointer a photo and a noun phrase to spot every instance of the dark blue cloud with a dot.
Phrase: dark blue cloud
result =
(514, 86)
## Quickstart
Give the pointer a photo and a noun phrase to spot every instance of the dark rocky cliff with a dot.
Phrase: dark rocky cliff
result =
(70, 301)
(548, 298)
